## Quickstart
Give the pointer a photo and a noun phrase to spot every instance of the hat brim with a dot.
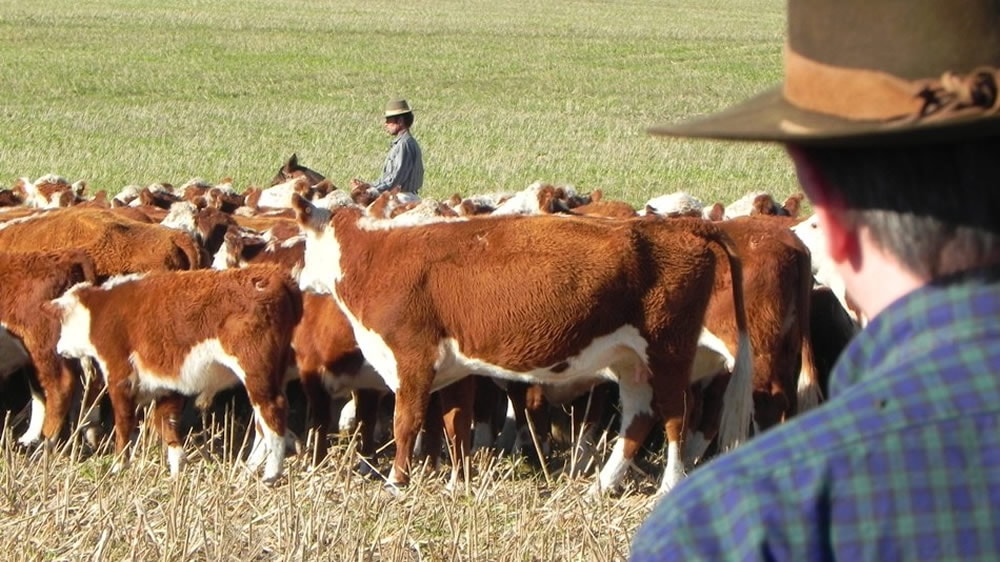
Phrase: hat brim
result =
(397, 112)
(769, 117)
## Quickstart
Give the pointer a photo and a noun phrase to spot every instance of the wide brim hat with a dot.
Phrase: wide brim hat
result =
(873, 72)
(397, 107)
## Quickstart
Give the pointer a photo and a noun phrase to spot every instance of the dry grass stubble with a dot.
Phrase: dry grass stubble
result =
(67, 505)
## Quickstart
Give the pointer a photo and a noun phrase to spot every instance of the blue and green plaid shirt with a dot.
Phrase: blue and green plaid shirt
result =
(903, 462)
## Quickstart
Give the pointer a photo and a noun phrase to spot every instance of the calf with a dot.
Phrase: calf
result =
(513, 297)
(28, 338)
(214, 330)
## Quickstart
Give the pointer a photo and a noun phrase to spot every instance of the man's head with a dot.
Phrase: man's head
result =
(398, 112)
(891, 112)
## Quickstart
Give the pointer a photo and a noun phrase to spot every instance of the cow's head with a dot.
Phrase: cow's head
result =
(74, 317)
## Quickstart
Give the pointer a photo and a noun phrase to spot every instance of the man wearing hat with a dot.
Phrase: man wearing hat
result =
(404, 165)
(890, 113)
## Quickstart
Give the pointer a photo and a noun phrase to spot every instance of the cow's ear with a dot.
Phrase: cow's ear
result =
(52, 310)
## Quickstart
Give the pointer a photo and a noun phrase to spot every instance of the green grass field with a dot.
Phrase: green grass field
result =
(505, 92)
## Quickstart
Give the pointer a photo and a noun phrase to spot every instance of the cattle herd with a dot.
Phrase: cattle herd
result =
(705, 324)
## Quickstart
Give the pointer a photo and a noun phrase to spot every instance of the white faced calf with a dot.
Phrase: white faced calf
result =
(161, 336)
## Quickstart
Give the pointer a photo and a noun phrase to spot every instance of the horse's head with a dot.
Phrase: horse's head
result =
(292, 169)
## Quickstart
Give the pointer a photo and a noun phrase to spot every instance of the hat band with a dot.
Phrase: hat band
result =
(871, 95)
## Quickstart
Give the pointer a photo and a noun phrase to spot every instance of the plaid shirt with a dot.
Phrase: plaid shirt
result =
(903, 462)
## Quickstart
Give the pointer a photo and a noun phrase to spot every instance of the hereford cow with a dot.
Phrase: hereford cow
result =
(515, 297)
(162, 336)
(116, 244)
(28, 338)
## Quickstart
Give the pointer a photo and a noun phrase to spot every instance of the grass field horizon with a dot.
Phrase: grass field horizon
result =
(505, 93)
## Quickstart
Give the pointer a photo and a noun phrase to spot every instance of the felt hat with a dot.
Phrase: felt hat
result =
(397, 107)
(873, 72)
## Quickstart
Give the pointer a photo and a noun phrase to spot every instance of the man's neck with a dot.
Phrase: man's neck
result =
(877, 279)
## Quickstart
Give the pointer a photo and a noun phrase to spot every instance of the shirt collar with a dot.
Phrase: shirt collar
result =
(940, 304)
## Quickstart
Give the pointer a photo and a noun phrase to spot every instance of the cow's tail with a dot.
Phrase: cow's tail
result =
(809, 393)
(737, 403)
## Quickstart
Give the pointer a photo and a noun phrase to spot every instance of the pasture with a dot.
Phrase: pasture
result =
(505, 93)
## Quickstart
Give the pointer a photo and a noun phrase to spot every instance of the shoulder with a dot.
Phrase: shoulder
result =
(760, 494)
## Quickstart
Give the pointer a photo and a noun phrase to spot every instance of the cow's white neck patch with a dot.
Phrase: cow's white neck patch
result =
(374, 348)
(321, 269)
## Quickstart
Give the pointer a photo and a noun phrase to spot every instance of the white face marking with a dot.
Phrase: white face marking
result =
(74, 337)
(175, 459)
(523, 202)
(278, 196)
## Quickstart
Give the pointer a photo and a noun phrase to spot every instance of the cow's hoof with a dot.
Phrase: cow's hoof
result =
(366, 469)
(395, 490)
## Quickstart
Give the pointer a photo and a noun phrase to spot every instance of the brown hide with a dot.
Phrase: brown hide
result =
(28, 281)
(116, 244)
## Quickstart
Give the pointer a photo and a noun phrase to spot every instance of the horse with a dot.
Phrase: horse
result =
(292, 169)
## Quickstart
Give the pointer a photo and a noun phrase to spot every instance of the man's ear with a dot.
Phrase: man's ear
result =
(841, 234)
(841, 238)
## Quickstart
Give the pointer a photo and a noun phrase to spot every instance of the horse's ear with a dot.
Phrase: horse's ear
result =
(293, 162)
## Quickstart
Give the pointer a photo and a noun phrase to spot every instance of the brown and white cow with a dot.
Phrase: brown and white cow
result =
(164, 336)
(28, 337)
(514, 297)
(777, 284)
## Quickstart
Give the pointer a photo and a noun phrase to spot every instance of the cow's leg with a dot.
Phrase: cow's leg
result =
(706, 406)
(267, 397)
(457, 400)
(366, 403)
(166, 420)
(59, 385)
(430, 438)
(671, 401)
(318, 412)
(92, 385)
(33, 434)
(636, 394)
(590, 409)
(532, 419)
(123, 405)
(487, 413)
(412, 398)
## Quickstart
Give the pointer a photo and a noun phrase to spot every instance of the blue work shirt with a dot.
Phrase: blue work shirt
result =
(404, 165)
(903, 462)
